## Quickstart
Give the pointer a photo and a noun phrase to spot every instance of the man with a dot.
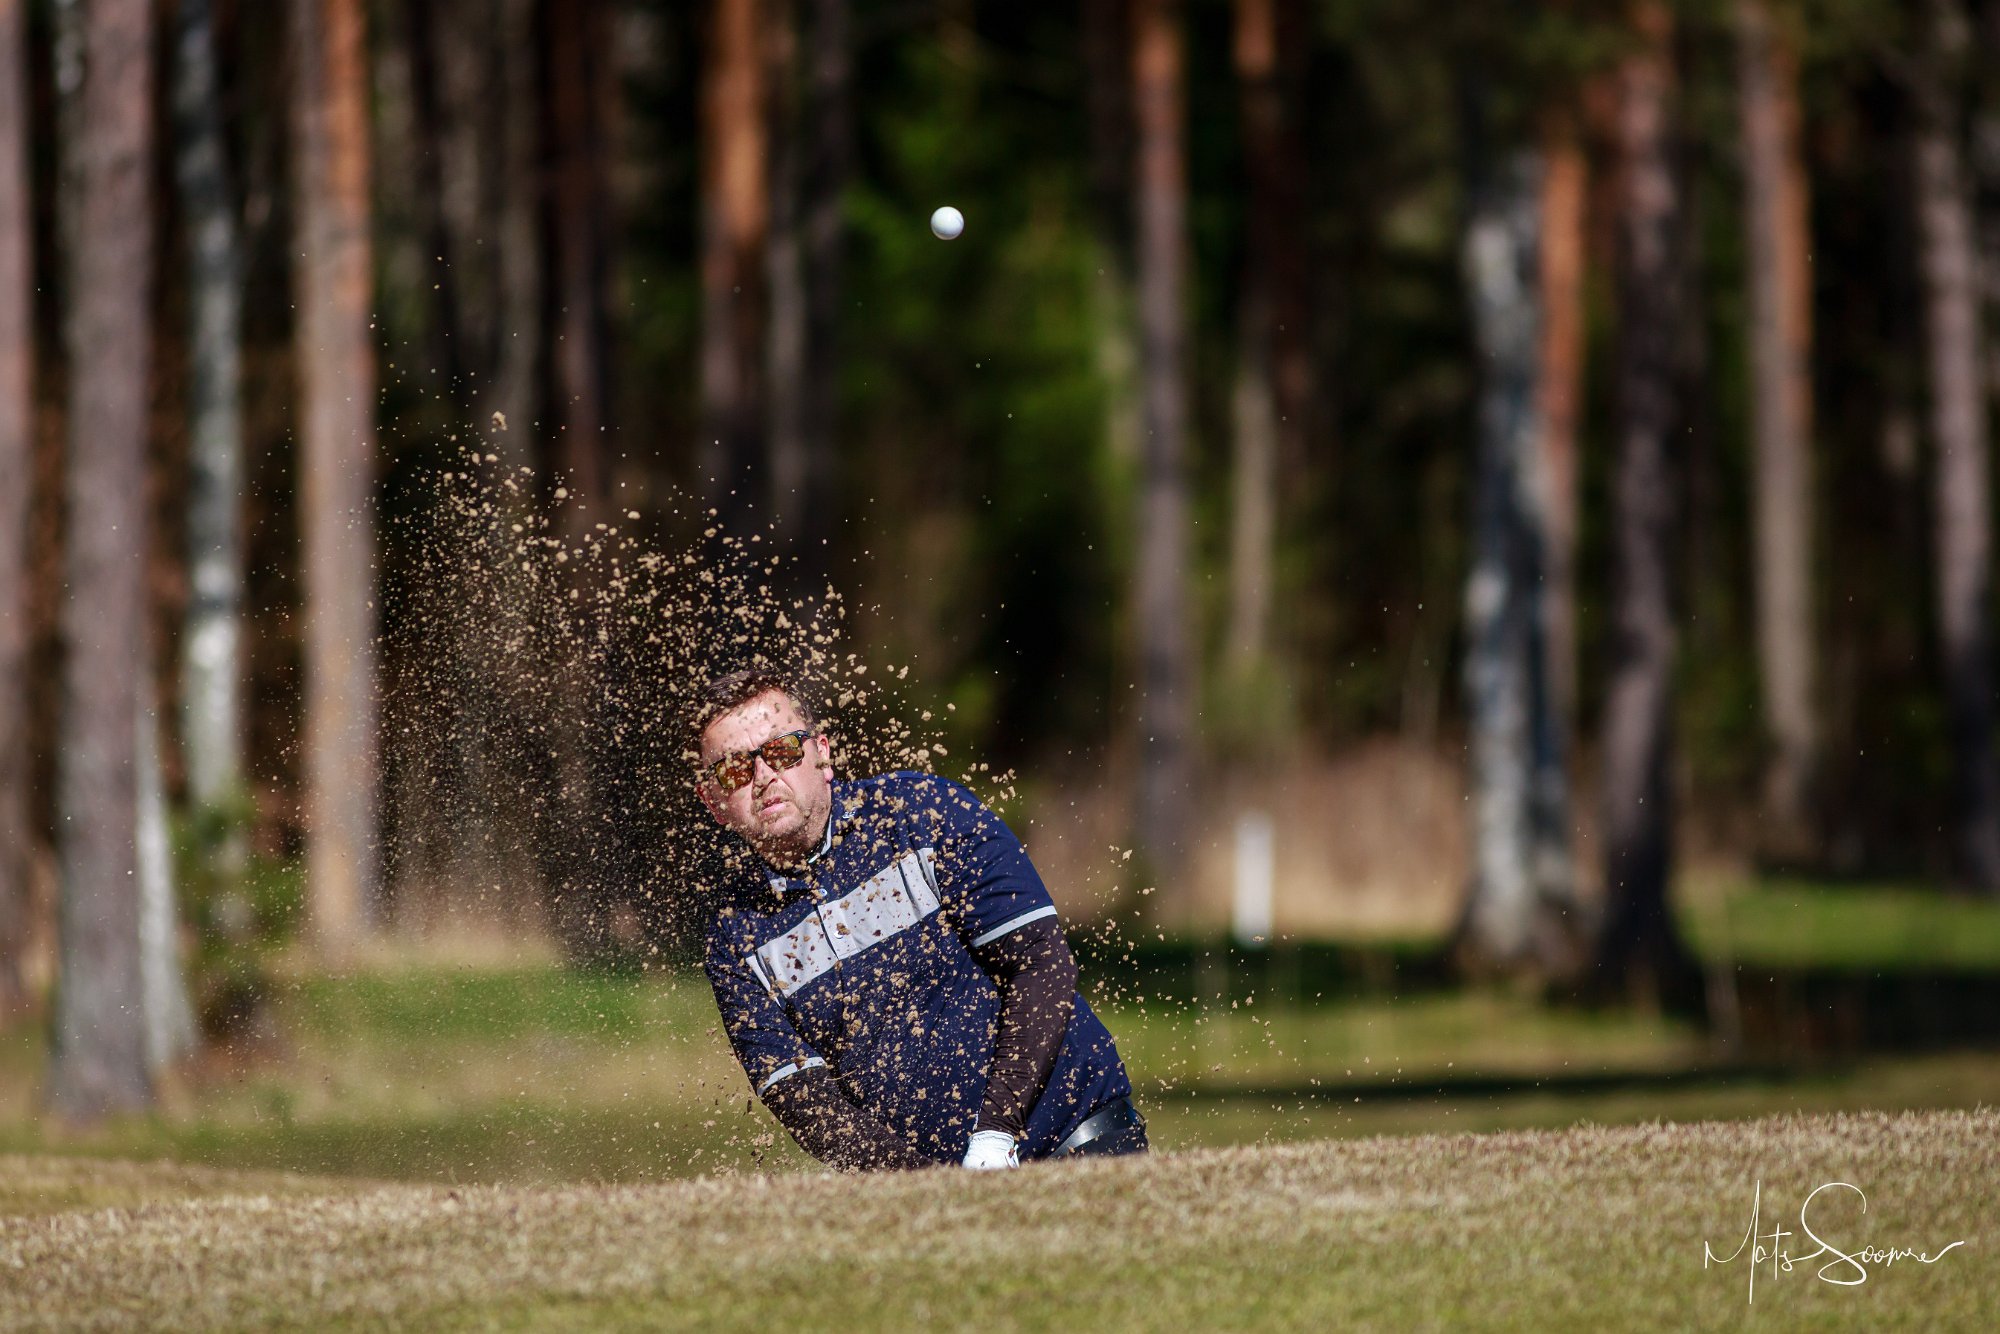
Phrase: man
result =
(889, 967)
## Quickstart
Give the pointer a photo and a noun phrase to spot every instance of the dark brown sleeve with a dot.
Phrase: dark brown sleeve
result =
(834, 1128)
(1036, 976)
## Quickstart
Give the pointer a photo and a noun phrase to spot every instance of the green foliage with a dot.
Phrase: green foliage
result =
(243, 910)
(971, 370)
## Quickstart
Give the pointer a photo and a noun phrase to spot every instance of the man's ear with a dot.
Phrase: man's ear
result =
(825, 752)
(709, 798)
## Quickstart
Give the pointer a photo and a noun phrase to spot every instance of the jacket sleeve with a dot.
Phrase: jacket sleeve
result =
(1036, 976)
(1008, 921)
(832, 1127)
(768, 1048)
(794, 1081)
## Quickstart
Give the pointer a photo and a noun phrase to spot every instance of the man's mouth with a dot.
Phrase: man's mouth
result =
(771, 807)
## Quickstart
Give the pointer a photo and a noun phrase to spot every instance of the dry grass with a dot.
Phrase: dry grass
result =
(1585, 1228)
(44, 1184)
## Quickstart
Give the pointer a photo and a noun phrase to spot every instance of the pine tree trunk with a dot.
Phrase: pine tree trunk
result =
(576, 861)
(785, 328)
(212, 638)
(1949, 268)
(1268, 337)
(99, 1059)
(66, 43)
(574, 38)
(1778, 246)
(1107, 55)
(1253, 500)
(1638, 952)
(336, 361)
(1986, 174)
(1166, 705)
(515, 210)
(735, 217)
(510, 121)
(1561, 273)
(810, 147)
(1564, 190)
(444, 331)
(1521, 912)
(829, 71)
(17, 414)
(1273, 219)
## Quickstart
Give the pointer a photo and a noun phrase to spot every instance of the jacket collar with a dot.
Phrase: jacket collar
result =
(838, 812)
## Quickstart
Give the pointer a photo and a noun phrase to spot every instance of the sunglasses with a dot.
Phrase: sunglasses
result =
(780, 752)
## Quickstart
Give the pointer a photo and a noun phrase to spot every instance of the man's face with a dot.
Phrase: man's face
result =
(780, 812)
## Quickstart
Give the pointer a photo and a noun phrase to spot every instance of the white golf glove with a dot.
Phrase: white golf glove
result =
(990, 1149)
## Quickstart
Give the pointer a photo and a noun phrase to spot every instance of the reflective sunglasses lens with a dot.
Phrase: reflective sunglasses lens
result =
(782, 752)
(735, 771)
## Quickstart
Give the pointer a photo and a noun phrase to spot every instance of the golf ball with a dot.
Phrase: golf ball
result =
(947, 223)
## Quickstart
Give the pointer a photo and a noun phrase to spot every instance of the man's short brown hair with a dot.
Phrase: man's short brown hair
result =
(722, 693)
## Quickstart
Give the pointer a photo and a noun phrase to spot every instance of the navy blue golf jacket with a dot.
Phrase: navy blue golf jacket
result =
(864, 964)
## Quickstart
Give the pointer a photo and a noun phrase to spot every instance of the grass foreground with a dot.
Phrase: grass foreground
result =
(1589, 1227)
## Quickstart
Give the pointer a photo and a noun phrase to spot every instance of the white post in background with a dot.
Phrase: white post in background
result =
(1250, 919)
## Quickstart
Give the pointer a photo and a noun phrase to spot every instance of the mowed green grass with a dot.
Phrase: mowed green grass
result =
(1585, 1228)
(533, 1075)
(1786, 922)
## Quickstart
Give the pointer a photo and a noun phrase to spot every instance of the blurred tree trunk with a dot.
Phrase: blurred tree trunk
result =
(735, 217)
(1166, 707)
(66, 41)
(503, 111)
(830, 112)
(513, 404)
(444, 330)
(1521, 912)
(211, 634)
(1273, 374)
(169, 1019)
(473, 120)
(785, 273)
(1986, 172)
(812, 144)
(1949, 266)
(99, 1061)
(336, 358)
(1109, 112)
(513, 205)
(574, 841)
(17, 417)
(1639, 955)
(1564, 190)
(1501, 250)
(1107, 54)
(1778, 248)
(579, 202)
(212, 638)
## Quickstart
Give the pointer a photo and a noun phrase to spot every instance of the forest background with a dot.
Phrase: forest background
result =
(1482, 461)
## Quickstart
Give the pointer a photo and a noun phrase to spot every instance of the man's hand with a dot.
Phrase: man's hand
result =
(990, 1149)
